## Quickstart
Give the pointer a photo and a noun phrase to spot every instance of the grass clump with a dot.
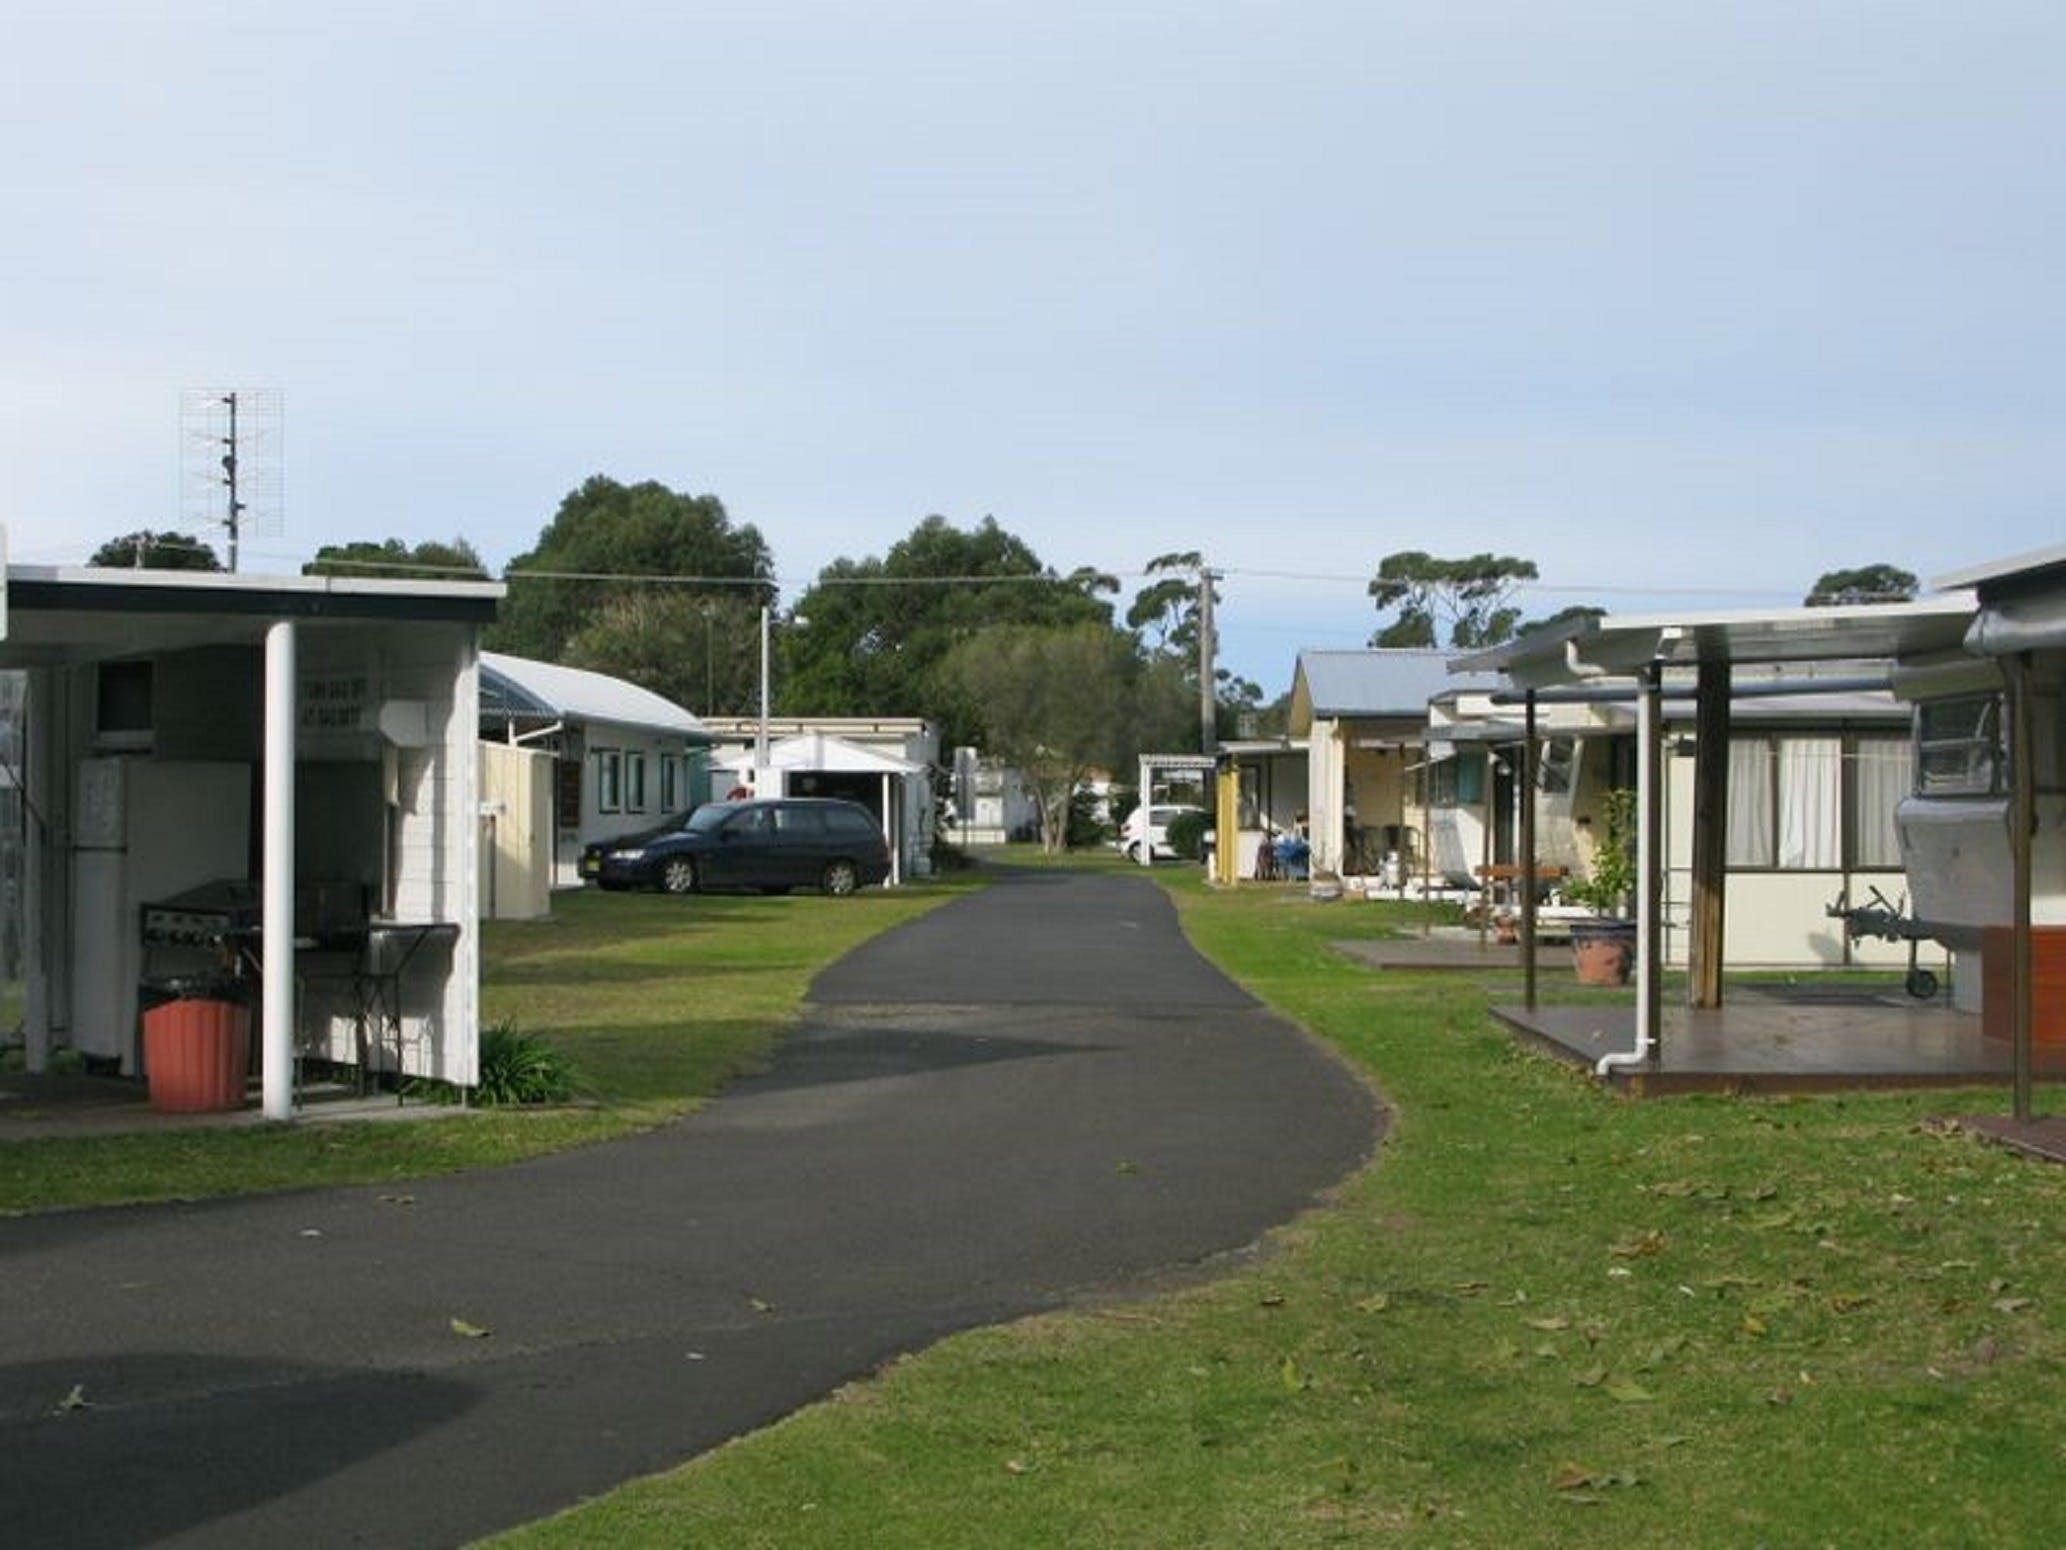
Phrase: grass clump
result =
(520, 1068)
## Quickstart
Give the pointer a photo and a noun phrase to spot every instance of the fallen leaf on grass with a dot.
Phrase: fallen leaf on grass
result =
(1591, 1378)
(1293, 1378)
(469, 1331)
(1641, 1246)
(1577, 1477)
(1471, 1288)
(1549, 1325)
(1848, 1302)
(1017, 1467)
(760, 1305)
(1753, 1325)
(2011, 1304)
(1627, 1392)
(75, 1400)
(1377, 1302)
(1128, 1167)
(1270, 1300)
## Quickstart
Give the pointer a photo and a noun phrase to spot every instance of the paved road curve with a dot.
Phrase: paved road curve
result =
(940, 1147)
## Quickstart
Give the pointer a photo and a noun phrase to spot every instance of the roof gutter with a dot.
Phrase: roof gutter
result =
(1756, 689)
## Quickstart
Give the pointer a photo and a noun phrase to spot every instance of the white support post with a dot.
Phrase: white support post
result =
(889, 834)
(39, 960)
(277, 902)
(1145, 804)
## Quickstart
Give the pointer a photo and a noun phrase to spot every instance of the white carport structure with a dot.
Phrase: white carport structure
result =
(282, 765)
(817, 764)
(1630, 657)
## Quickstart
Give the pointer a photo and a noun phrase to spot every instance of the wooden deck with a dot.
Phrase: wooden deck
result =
(1444, 953)
(2042, 1136)
(1783, 1040)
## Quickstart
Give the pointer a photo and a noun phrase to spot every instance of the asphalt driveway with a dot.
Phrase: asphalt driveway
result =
(1029, 1095)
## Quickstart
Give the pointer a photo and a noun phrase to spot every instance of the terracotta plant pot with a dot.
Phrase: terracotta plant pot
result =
(1603, 950)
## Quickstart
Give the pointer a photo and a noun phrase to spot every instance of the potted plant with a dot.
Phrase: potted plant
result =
(1604, 946)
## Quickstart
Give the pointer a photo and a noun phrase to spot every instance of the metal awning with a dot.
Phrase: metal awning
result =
(1618, 647)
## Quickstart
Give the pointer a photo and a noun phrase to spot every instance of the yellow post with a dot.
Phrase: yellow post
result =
(1226, 855)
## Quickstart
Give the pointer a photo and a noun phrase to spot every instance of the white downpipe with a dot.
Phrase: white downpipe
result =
(276, 940)
(1646, 896)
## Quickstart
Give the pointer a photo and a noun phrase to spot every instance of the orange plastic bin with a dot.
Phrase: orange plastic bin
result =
(195, 1052)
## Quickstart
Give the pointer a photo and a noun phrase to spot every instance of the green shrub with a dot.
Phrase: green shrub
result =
(1613, 876)
(1187, 835)
(520, 1068)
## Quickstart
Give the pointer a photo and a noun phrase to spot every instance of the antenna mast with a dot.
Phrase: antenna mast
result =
(230, 447)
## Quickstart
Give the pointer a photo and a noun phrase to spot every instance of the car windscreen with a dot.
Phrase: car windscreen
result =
(710, 815)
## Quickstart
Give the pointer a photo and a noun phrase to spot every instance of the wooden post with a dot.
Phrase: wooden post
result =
(1530, 765)
(2022, 820)
(1710, 835)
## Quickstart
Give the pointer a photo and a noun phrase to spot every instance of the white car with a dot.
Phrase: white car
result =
(1159, 819)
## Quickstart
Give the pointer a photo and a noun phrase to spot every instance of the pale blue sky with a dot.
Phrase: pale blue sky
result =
(1663, 295)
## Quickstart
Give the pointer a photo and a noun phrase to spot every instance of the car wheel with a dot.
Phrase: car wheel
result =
(841, 879)
(679, 875)
(1133, 853)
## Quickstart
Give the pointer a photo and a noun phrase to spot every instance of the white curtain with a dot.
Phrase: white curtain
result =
(1750, 802)
(1880, 780)
(1811, 784)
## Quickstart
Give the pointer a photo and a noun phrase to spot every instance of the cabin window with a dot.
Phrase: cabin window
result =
(1457, 782)
(1879, 779)
(670, 783)
(1559, 759)
(1786, 803)
(1753, 832)
(1958, 747)
(609, 781)
(634, 783)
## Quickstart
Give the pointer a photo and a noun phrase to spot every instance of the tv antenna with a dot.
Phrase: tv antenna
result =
(230, 469)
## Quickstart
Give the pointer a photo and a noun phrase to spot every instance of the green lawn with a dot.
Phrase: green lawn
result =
(1543, 1316)
(659, 1000)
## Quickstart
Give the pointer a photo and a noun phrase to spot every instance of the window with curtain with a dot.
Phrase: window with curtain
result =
(1879, 779)
(1751, 829)
(609, 780)
(1470, 779)
(1811, 795)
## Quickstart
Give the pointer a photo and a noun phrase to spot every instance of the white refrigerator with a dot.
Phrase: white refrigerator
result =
(143, 829)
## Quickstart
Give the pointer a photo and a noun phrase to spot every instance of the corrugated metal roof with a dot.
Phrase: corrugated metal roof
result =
(1381, 681)
(523, 687)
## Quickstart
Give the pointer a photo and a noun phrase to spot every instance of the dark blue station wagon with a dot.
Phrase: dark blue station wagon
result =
(772, 846)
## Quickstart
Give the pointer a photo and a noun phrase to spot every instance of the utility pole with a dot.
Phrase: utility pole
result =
(760, 750)
(1208, 677)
